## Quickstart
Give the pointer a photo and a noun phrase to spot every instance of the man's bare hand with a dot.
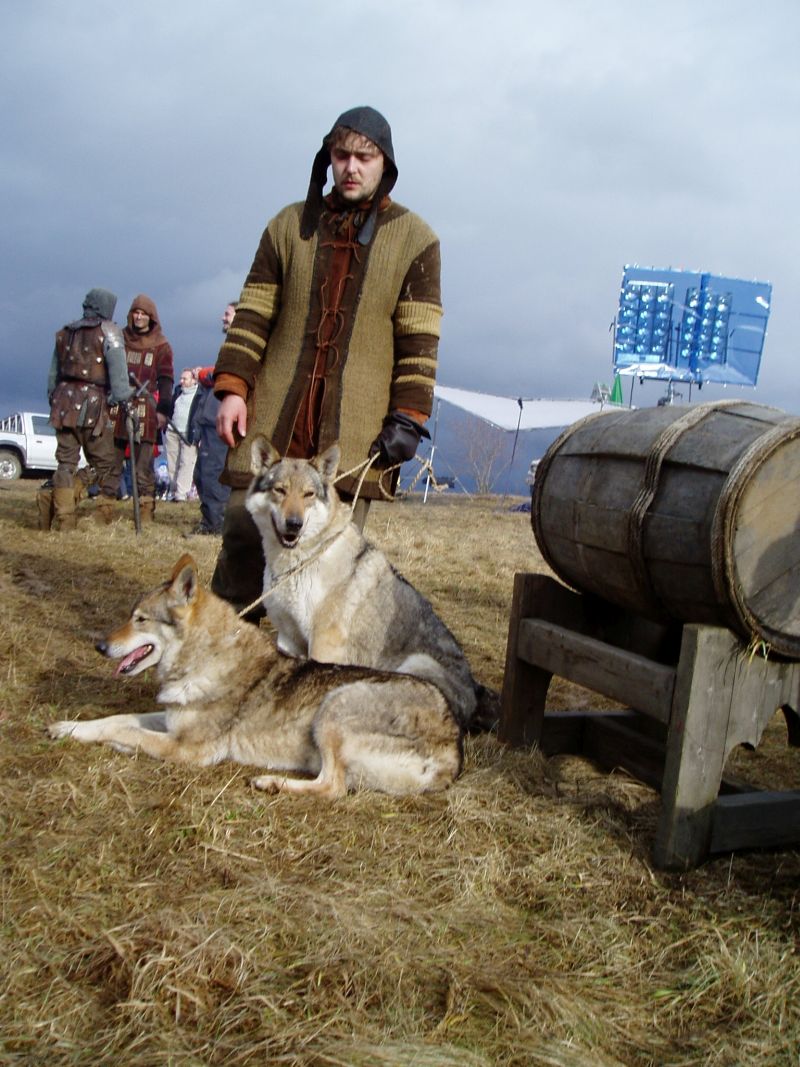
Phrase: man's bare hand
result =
(232, 419)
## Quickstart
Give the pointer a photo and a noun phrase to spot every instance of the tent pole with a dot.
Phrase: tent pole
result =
(516, 435)
(433, 449)
(428, 477)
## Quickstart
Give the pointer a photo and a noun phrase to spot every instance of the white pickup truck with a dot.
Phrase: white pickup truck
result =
(27, 443)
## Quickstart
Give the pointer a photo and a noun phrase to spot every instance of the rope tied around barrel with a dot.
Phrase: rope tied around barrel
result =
(652, 475)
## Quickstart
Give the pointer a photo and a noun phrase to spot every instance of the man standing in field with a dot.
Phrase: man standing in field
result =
(88, 370)
(150, 363)
(335, 337)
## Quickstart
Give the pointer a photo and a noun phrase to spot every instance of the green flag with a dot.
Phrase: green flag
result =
(616, 392)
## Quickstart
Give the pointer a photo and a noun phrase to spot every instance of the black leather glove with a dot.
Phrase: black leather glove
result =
(398, 440)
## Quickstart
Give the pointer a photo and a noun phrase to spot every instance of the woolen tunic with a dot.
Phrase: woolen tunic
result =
(374, 339)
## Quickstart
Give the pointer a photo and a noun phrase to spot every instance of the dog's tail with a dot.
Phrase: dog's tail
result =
(487, 710)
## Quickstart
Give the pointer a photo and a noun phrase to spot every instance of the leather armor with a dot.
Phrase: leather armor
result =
(79, 399)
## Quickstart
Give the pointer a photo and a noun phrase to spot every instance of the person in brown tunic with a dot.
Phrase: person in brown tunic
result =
(335, 336)
(149, 358)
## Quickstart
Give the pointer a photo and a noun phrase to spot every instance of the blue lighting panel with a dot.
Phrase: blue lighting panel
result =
(643, 322)
(690, 326)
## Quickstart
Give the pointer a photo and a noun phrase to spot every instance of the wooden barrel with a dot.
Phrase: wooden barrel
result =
(688, 513)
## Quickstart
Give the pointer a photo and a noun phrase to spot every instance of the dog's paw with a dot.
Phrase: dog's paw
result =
(267, 783)
(55, 730)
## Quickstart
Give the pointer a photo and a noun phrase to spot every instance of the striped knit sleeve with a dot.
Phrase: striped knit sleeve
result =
(416, 334)
(246, 340)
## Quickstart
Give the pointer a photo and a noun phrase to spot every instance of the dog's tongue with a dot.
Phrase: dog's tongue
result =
(132, 658)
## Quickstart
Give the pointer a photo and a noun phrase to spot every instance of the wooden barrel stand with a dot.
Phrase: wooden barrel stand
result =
(694, 691)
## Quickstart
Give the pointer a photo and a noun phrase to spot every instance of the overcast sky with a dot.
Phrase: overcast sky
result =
(145, 146)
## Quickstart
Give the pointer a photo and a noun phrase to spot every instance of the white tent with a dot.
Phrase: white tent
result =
(514, 415)
(509, 413)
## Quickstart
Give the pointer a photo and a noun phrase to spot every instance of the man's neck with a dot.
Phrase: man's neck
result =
(338, 203)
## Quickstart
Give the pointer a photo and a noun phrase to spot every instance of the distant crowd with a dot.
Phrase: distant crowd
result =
(141, 435)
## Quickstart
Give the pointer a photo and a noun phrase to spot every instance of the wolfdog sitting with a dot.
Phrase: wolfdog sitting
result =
(334, 597)
(230, 695)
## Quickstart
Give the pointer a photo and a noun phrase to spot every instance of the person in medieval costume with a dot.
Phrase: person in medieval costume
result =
(149, 357)
(335, 337)
(87, 372)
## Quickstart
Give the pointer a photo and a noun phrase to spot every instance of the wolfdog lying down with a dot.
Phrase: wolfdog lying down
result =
(334, 597)
(230, 695)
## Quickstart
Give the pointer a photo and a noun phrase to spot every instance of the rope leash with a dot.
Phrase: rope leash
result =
(363, 468)
(425, 466)
(323, 547)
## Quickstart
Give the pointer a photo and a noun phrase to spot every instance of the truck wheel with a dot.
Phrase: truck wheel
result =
(10, 466)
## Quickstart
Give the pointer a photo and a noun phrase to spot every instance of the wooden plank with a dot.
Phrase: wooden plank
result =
(524, 685)
(696, 745)
(755, 820)
(574, 733)
(617, 739)
(562, 733)
(633, 680)
(760, 687)
(612, 743)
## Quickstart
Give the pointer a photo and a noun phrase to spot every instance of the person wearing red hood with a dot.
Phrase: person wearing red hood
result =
(149, 357)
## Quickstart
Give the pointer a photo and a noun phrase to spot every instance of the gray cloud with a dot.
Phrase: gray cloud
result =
(144, 148)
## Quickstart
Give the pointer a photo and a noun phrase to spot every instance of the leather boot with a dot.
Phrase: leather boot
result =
(64, 517)
(44, 504)
(104, 513)
(146, 511)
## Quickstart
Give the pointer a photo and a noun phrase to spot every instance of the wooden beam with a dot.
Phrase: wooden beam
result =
(631, 679)
(755, 820)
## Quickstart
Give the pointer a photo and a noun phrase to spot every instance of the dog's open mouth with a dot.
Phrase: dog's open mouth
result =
(289, 537)
(130, 661)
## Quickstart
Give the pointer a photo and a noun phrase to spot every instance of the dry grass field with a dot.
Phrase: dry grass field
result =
(153, 914)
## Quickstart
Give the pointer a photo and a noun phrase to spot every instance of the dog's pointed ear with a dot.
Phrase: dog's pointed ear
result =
(262, 454)
(327, 463)
(183, 582)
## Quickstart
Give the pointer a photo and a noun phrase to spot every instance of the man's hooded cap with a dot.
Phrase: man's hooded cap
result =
(153, 336)
(371, 124)
(142, 302)
(99, 304)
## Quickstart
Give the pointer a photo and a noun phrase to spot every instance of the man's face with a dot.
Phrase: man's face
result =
(227, 317)
(141, 320)
(187, 379)
(357, 166)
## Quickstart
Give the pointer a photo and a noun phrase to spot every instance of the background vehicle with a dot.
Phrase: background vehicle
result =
(27, 443)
